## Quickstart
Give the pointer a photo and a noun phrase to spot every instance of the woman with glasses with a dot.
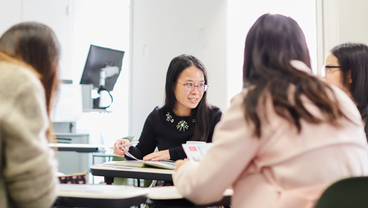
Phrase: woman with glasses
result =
(286, 137)
(347, 68)
(186, 115)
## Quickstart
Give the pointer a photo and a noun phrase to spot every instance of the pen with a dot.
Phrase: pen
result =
(129, 144)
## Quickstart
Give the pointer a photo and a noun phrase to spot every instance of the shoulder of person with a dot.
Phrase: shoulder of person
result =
(156, 117)
(340, 95)
(239, 97)
(157, 112)
(344, 100)
(18, 76)
(214, 111)
(21, 72)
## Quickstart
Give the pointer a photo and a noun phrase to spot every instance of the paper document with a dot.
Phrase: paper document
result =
(196, 150)
(170, 165)
(156, 164)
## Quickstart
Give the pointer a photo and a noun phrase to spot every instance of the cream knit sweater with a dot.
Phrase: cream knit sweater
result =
(28, 167)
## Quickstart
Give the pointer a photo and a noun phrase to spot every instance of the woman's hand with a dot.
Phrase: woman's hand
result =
(179, 163)
(157, 156)
(118, 151)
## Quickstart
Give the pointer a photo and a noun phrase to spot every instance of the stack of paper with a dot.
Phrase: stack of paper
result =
(141, 163)
(196, 150)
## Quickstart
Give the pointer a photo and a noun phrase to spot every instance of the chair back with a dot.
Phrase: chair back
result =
(75, 178)
(346, 193)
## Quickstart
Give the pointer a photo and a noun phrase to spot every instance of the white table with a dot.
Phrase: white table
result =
(77, 195)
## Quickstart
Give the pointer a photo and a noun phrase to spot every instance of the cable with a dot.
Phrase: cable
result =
(104, 89)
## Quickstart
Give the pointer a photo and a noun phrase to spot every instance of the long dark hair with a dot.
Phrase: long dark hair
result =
(200, 113)
(35, 44)
(272, 42)
(353, 57)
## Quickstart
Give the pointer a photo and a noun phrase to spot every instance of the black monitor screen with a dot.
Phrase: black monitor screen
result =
(99, 57)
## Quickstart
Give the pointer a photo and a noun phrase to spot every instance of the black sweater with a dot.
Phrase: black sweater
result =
(161, 130)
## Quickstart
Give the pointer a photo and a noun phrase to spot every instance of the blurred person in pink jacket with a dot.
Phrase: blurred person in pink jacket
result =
(286, 137)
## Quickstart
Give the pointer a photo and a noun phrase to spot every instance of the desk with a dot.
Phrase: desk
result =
(169, 196)
(78, 147)
(111, 171)
(75, 157)
(103, 155)
(74, 195)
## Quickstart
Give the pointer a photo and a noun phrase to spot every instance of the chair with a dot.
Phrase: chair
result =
(346, 193)
(75, 178)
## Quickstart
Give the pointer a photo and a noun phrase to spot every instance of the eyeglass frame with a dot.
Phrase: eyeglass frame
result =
(331, 67)
(205, 87)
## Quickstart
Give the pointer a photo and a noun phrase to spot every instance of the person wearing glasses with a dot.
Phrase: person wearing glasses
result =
(347, 67)
(185, 116)
(286, 137)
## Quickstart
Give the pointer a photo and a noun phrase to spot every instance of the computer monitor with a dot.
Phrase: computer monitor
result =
(98, 58)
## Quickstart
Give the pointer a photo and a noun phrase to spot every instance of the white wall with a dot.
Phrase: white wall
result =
(164, 29)
(352, 20)
(242, 14)
(10, 14)
(55, 14)
(41, 11)
(343, 21)
(77, 24)
(104, 23)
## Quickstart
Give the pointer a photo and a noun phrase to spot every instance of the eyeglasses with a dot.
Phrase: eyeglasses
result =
(329, 69)
(189, 87)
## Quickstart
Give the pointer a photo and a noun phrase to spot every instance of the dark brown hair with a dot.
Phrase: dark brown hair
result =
(353, 57)
(272, 42)
(35, 44)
